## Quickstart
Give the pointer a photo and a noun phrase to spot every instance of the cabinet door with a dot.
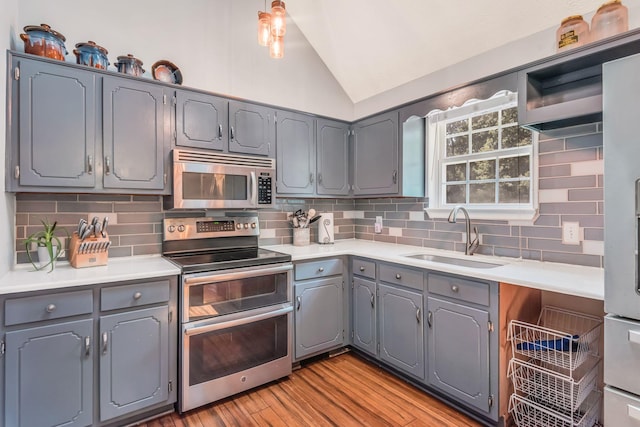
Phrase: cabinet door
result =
(134, 364)
(136, 122)
(332, 147)
(458, 347)
(401, 331)
(364, 315)
(49, 375)
(375, 155)
(201, 120)
(318, 315)
(296, 158)
(252, 129)
(57, 125)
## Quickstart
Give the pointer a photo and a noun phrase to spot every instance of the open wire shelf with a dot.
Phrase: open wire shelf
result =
(561, 338)
(528, 413)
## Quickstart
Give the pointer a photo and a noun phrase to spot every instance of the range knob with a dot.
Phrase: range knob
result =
(181, 228)
(253, 225)
(246, 226)
(239, 226)
(171, 228)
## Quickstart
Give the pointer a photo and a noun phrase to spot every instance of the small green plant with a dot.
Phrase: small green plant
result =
(45, 238)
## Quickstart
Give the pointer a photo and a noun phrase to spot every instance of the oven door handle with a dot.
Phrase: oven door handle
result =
(221, 277)
(238, 322)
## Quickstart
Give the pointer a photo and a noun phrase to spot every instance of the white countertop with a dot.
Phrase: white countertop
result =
(563, 278)
(24, 278)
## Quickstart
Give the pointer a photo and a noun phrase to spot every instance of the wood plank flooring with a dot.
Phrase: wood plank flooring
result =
(345, 390)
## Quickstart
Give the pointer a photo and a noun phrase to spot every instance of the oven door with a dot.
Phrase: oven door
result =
(230, 354)
(207, 295)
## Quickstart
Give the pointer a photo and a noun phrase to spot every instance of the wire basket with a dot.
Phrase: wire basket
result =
(559, 388)
(561, 338)
(527, 413)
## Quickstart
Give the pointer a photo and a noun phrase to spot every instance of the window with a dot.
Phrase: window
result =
(479, 157)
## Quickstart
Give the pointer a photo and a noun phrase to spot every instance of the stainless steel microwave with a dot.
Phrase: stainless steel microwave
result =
(204, 180)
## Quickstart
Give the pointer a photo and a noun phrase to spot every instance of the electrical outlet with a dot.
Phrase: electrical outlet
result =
(571, 233)
(378, 225)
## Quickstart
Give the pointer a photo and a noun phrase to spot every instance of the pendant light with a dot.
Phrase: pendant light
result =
(278, 18)
(264, 28)
(272, 28)
(276, 48)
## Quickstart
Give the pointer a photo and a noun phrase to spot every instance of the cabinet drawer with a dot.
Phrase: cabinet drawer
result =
(363, 268)
(461, 289)
(622, 351)
(621, 409)
(322, 268)
(402, 276)
(134, 295)
(46, 307)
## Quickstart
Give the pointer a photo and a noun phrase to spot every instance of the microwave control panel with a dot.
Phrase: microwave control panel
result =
(265, 189)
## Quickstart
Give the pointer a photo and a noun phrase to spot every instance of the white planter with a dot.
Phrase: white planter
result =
(43, 256)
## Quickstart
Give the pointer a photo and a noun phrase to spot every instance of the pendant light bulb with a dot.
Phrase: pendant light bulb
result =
(264, 28)
(276, 48)
(278, 18)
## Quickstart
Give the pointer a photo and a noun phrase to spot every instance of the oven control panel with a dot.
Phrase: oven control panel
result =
(206, 227)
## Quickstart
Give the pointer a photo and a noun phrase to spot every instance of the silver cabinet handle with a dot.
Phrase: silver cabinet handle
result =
(373, 300)
(418, 314)
(395, 176)
(362, 268)
(398, 276)
(321, 269)
(137, 295)
(429, 318)
(219, 131)
(311, 178)
(16, 172)
(232, 133)
(319, 178)
(87, 346)
(299, 300)
(105, 342)
(89, 165)
(454, 288)
(107, 165)
(51, 308)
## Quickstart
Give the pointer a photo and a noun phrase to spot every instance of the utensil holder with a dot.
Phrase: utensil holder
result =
(300, 236)
(90, 252)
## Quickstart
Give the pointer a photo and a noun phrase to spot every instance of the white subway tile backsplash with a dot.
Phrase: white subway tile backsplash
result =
(592, 167)
(553, 196)
(353, 214)
(395, 231)
(417, 216)
(593, 247)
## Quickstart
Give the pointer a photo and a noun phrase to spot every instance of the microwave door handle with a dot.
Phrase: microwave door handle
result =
(253, 189)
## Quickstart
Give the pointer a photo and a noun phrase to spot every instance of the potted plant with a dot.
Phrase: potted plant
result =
(47, 243)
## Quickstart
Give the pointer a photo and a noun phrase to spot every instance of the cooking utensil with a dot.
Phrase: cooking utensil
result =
(81, 224)
(87, 232)
(43, 41)
(97, 229)
(312, 213)
(105, 222)
(91, 54)
(314, 219)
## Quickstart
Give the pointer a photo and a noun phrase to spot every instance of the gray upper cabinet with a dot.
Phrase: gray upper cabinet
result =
(363, 306)
(318, 316)
(296, 154)
(49, 375)
(134, 361)
(201, 120)
(458, 347)
(375, 155)
(136, 125)
(252, 129)
(56, 118)
(401, 331)
(332, 158)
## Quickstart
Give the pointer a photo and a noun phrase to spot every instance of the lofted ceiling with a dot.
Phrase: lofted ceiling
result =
(372, 46)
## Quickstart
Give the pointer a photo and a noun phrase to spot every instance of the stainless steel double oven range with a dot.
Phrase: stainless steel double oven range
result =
(236, 307)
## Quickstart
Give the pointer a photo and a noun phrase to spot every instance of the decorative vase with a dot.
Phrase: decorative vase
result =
(44, 259)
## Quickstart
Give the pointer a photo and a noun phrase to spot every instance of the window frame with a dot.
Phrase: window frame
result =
(436, 162)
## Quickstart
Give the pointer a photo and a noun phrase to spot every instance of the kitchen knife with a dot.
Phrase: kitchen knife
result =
(105, 222)
(87, 232)
(97, 229)
(81, 224)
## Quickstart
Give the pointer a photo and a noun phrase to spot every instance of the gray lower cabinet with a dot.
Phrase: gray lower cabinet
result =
(400, 328)
(252, 129)
(363, 312)
(296, 154)
(136, 127)
(319, 307)
(49, 375)
(201, 120)
(134, 361)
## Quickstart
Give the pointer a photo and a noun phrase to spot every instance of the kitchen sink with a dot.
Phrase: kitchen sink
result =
(455, 261)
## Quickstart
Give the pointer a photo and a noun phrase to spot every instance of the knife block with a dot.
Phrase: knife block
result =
(90, 252)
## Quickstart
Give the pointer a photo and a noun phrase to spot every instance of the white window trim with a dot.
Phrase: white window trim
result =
(434, 170)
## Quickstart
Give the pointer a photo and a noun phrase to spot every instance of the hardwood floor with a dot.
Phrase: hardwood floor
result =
(342, 391)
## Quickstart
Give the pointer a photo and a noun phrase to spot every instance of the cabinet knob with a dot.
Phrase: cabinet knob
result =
(398, 276)
(362, 268)
(454, 288)
(51, 308)
(321, 269)
(137, 295)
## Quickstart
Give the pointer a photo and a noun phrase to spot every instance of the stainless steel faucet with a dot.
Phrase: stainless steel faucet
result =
(470, 245)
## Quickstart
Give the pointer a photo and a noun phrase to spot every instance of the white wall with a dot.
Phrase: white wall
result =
(214, 42)
(7, 201)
